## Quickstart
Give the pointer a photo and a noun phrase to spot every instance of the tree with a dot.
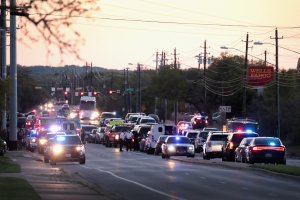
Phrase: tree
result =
(53, 22)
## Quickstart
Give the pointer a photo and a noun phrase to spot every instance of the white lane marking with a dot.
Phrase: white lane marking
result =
(222, 182)
(187, 174)
(137, 183)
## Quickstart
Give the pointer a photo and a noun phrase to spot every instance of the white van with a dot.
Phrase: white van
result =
(153, 135)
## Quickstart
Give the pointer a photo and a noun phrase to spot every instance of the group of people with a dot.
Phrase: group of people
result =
(127, 138)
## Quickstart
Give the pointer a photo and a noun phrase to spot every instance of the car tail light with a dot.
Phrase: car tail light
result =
(257, 148)
(231, 145)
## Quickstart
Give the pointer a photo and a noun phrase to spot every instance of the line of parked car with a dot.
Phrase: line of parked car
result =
(168, 140)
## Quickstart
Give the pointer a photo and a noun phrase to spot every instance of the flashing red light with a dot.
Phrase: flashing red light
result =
(66, 93)
(95, 93)
(110, 91)
(239, 130)
(81, 93)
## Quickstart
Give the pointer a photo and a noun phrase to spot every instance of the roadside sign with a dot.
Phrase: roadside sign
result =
(226, 109)
(129, 90)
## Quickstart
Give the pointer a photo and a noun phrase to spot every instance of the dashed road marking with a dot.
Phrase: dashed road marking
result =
(137, 183)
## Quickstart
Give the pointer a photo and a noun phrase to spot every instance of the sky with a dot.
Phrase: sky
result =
(186, 25)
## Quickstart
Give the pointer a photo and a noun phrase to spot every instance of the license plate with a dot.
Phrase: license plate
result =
(268, 155)
(68, 155)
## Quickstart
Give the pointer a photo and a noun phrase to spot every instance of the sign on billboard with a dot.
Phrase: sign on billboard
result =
(260, 75)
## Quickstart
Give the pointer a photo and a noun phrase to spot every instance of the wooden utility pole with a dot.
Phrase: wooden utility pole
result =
(277, 82)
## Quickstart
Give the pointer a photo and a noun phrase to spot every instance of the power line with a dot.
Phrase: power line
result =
(172, 22)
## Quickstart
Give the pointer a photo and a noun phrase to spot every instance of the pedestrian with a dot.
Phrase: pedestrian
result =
(129, 136)
(20, 135)
(122, 138)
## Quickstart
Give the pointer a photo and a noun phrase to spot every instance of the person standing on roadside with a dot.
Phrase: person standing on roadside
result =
(122, 138)
(129, 136)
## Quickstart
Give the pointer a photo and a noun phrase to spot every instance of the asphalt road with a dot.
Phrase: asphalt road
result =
(135, 175)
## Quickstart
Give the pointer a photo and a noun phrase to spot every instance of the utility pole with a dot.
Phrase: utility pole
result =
(245, 78)
(277, 82)
(3, 55)
(265, 58)
(176, 100)
(125, 93)
(138, 91)
(156, 98)
(13, 76)
(204, 73)
(129, 93)
(91, 74)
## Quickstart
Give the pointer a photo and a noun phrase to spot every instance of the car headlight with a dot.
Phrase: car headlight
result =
(79, 148)
(95, 115)
(57, 149)
(191, 148)
(43, 141)
(171, 148)
(33, 140)
(117, 137)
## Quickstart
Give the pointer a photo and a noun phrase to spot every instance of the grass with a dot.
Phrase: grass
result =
(8, 166)
(16, 188)
(285, 169)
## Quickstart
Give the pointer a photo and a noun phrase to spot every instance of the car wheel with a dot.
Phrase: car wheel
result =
(163, 156)
(156, 152)
(52, 162)
(82, 162)
(168, 156)
(207, 157)
(251, 161)
(46, 160)
(1, 152)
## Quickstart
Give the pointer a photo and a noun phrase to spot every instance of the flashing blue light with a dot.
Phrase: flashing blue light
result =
(177, 138)
(60, 138)
(249, 131)
(272, 143)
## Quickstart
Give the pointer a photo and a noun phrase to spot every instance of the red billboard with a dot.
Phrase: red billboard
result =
(260, 75)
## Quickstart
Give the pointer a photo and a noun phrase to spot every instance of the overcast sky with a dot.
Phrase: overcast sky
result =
(147, 26)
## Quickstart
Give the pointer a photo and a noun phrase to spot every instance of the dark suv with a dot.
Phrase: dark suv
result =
(199, 122)
(232, 142)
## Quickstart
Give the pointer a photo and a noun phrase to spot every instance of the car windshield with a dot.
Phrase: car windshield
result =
(88, 128)
(50, 136)
(162, 138)
(237, 138)
(204, 134)
(178, 140)
(122, 128)
(107, 115)
(267, 142)
(218, 137)
(192, 134)
(68, 140)
(148, 121)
